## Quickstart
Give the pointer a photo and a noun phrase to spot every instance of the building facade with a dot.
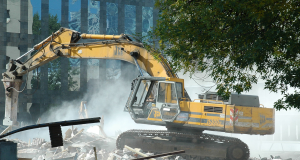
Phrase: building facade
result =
(24, 23)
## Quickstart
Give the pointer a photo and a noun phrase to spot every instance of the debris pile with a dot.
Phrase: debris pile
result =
(271, 158)
(80, 145)
(77, 144)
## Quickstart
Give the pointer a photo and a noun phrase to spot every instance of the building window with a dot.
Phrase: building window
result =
(36, 11)
(147, 20)
(112, 18)
(7, 16)
(75, 15)
(94, 17)
(130, 19)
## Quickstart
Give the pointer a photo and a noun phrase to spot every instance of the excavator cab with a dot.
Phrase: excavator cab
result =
(154, 97)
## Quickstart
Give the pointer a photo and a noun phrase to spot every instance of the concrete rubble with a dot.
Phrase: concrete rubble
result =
(273, 158)
(82, 145)
(78, 145)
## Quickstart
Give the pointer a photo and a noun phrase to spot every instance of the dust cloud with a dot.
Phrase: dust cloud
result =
(104, 99)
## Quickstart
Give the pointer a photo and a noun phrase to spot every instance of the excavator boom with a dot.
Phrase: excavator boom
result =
(63, 43)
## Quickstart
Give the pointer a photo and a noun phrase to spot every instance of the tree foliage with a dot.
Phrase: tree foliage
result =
(54, 75)
(36, 24)
(54, 25)
(236, 42)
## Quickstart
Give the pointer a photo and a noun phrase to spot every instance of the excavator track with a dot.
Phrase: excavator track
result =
(197, 146)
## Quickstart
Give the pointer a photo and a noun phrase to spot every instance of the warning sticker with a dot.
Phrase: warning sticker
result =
(222, 115)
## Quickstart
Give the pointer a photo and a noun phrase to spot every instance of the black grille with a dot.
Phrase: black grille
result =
(211, 96)
(213, 109)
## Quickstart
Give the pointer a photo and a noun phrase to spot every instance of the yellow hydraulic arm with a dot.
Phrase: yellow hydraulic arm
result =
(64, 43)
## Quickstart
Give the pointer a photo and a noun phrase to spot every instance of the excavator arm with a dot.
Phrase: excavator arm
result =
(44, 53)
(64, 43)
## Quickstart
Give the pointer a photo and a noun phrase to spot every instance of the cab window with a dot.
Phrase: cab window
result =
(179, 89)
(167, 93)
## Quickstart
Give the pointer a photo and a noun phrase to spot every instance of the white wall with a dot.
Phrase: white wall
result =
(14, 25)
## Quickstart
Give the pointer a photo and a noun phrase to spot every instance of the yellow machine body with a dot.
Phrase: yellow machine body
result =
(204, 114)
(233, 119)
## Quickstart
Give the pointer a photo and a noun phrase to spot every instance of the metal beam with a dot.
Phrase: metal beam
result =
(60, 123)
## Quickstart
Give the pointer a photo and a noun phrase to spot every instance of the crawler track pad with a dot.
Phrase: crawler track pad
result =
(195, 146)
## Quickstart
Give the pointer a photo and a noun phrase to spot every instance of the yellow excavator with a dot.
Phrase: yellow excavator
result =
(158, 99)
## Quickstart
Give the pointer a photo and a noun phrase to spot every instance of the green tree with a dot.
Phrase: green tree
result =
(54, 25)
(54, 75)
(54, 67)
(235, 42)
(36, 24)
(72, 71)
